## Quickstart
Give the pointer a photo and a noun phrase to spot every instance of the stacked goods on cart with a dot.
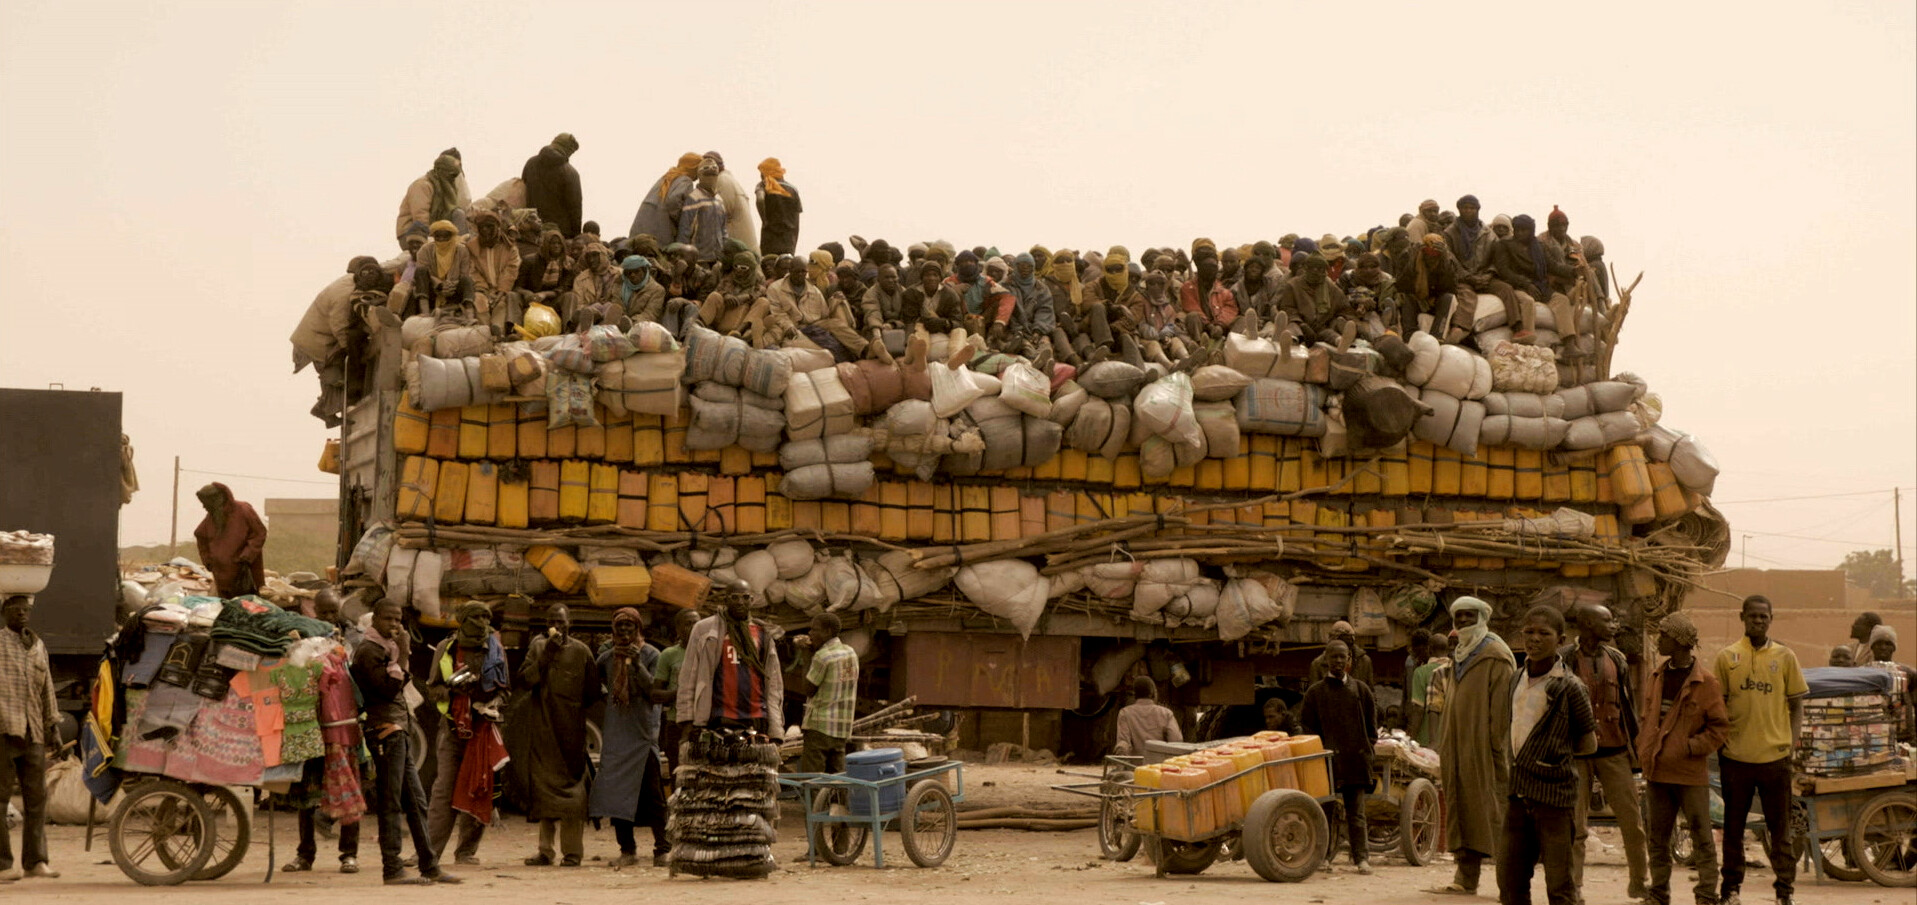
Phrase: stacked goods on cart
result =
(1396, 747)
(1238, 772)
(1852, 716)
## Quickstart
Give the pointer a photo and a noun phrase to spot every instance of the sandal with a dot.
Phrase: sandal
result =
(297, 866)
(539, 861)
(1452, 889)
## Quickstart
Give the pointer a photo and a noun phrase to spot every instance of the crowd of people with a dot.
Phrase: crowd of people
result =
(704, 248)
(1523, 743)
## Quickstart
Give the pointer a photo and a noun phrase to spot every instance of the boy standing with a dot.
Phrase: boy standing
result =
(1551, 725)
(1339, 710)
(1674, 743)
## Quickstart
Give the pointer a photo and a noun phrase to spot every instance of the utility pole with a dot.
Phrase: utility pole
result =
(1744, 553)
(1897, 513)
(173, 541)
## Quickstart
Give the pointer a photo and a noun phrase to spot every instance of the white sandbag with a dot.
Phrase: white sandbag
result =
(1188, 454)
(1464, 436)
(1258, 358)
(371, 553)
(1524, 405)
(428, 570)
(1112, 379)
(1489, 315)
(1114, 664)
(816, 482)
(1425, 354)
(1042, 441)
(1521, 432)
(807, 359)
(898, 577)
(1198, 605)
(715, 425)
(1367, 613)
(1481, 381)
(1523, 369)
(839, 450)
(1695, 467)
(439, 383)
(399, 575)
(1092, 427)
(1659, 442)
(1437, 425)
(462, 342)
(1243, 605)
(806, 593)
(1617, 427)
(1165, 408)
(1282, 407)
(1066, 401)
(848, 588)
(1160, 581)
(1025, 389)
(792, 557)
(510, 194)
(1584, 434)
(1454, 372)
(952, 390)
(1121, 429)
(1010, 589)
(1111, 580)
(1217, 383)
(1612, 395)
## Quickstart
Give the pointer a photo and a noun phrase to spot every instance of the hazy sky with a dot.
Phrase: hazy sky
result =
(178, 180)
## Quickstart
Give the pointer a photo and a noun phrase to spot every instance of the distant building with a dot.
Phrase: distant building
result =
(1811, 613)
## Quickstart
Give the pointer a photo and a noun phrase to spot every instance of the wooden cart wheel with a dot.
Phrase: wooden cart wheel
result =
(1833, 853)
(162, 833)
(232, 827)
(928, 824)
(1117, 841)
(1286, 836)
(1176, 857)
(1838, 862)
(838, 843)
(1883, 839)
(1419, 829)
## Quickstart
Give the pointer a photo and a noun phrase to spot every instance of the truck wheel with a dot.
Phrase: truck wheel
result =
(1286, 836)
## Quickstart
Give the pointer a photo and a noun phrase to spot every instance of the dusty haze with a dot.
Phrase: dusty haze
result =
(177, 181)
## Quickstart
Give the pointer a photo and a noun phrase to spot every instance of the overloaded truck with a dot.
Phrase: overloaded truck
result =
(60, 475)
(1013, 542)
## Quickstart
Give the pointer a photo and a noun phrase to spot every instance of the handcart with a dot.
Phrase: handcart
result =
(165, 832)
(927, 816)
(1404, 813)
(1285, 834)
(1863, 829)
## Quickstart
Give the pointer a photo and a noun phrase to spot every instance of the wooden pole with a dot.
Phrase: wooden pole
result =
(173, 541)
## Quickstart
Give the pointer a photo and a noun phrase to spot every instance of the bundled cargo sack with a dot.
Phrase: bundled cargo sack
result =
(1459, 373)
(374, 549)
(1452, 422)
(1523, 369)
(1095, 426)
(1257, 358)
(873, 386)
(647, 336)
(428, 569)
(1164, 407)
(1525, 433)
(1042, 441)
(1010, 589)
(1112, 379)
(1003, 430)
(1598, 398)
(1218, 421)
(1599, 431)
(1066, 401)
(642, 384)
(1409, 604)
(1159, 582)
(850, 589)
(443, 383)
(817, 482)
(953, 389)
(1023, 388)
(898, 578)
(569, 400)
(793, 558)
(1695, 467)
(704, 348)
(1243, 605)
(1524, 405)
(462, 342)
(1283, 407)
(839, 450)
(1367, 613)
(1379, 412)
(1426, 352)
(817, 405)
(1217, 383)
(765, 372)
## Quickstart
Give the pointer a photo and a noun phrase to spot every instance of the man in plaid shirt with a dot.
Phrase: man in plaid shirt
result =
(827, 671)
(29, 728)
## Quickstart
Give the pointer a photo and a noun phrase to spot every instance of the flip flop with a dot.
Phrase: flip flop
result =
(1452, 889)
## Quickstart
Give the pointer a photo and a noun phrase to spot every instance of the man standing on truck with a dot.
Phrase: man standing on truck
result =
(1607, 678)
(1764, 694)
(232, 540)
(29, 731)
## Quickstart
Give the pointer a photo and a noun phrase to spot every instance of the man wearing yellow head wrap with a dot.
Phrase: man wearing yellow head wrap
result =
(779, 209)
(658, 214)
(442, 271)
(1106, 307)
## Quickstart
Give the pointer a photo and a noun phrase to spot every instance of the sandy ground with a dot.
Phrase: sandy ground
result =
(987, 866)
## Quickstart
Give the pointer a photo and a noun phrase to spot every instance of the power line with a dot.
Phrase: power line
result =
(1787, 499)
(255, 477)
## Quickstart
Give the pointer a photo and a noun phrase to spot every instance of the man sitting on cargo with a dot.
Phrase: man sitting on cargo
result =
(972, 298)
(495, 270)
(793, 306)
(1339, 709)
(726, 307)
(442, 273)
(1145, 720)
(641, 297)
(1520, 264)
(595, 288)
(1315, 304)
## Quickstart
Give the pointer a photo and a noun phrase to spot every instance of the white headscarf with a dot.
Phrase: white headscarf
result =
(1470, 636)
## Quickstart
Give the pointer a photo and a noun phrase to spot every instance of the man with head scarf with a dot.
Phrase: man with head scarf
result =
(442, 273)
(495, 270)
(1520, 264)
(552, 185)
(971, 297)
(467, 681)
(1033, 310)
(1208, 293)
(1563, 250)
(1256, 291)
(1882, 645)
(1593, 248)
(629, 788)
(1427, 221)
(1467, 237)
(1111, 299)
(1675, 740)
(231, 540)
(547, 273)
(595, 287)
(1433, 284)
(702, 218)
(525, 228)
(558, 681)
(658, 214)
(1373, 294)
(779, 209)
(726, 307)
(438, 195)
(380, 674)
(738, 203)
(731, 677)
(1475, 750)
(1312, 301)
(640, 297)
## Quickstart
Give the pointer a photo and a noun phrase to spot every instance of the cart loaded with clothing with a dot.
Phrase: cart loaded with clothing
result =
(200, 696)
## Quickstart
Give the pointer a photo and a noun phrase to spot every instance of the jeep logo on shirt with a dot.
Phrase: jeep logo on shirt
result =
(1752, 684)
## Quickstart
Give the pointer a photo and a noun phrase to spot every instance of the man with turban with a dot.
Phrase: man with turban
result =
(1312, 300)
(1564, 251)
(1208, 294)
(641, 297)
(629, 789)
(467, 681)
(779, 209)
(438, 195)
(726, 307)
(1520, 264)
(231, 540)
(658, 214)
(1675, 740)
(495, 271)
(559, 680)
(1475, 750)
(702, 218)
(970, 296)
(442, 272)
(1427, 221)
(552, 185)
(1467, 238)
(595, 287)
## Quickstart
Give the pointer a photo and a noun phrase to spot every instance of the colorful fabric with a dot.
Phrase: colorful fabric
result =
(299, 688)
(479, 763)
(1757, 687)
(835, 670)
(740, 683)
(773, 172)
(341, 797)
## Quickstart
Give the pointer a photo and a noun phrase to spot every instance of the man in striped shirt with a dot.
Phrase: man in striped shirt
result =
(827, 671)
(1551, 723)
(731, 675)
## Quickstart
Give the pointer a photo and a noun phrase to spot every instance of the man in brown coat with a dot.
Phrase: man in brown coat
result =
(1475, 749)
(495, 271)
(1675, 740)
(231, 540)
